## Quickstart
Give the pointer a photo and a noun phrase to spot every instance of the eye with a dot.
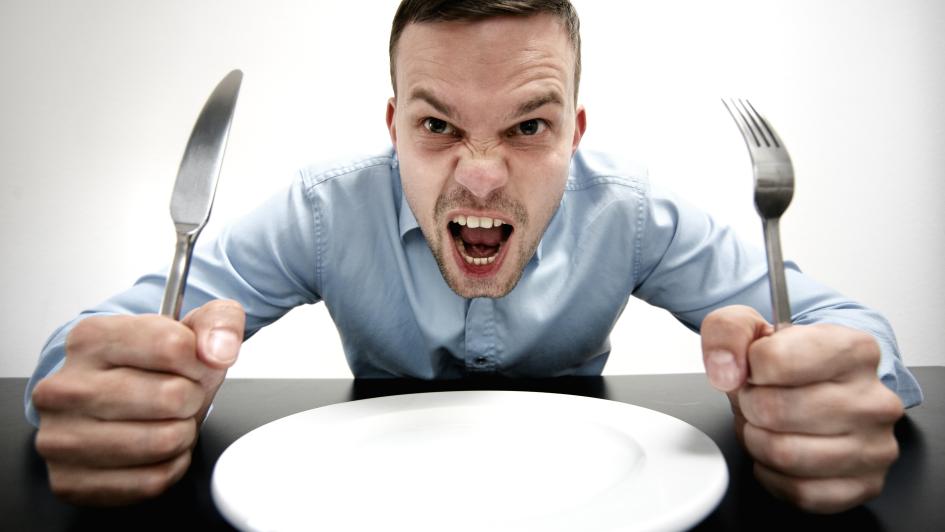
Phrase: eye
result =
(438, 127)
(530, 127)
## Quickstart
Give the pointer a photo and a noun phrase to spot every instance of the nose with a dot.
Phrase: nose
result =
(482, 174)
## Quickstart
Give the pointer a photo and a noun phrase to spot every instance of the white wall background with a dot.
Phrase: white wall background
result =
(98, 97)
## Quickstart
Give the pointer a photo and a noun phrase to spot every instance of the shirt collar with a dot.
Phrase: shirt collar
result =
(408, 222)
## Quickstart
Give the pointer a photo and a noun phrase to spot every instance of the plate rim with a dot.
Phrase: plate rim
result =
(698, 509)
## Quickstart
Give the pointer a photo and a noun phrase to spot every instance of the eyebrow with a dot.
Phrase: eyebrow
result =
(428, 97)
(550, 97)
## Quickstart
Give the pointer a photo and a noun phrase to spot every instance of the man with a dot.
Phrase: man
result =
(485, 242)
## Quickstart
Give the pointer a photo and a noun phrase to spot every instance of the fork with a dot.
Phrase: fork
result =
(774, 187)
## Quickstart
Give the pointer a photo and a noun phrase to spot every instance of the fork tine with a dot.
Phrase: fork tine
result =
(740, 120)
(762, 125)
(752, 123)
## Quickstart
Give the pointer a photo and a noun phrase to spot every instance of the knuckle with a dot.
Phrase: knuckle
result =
(804, 497)
(713, 319)
(51, 444)
(783, 454)
(173, 398)
(62, 484)
(892, 453)
(178, 340)
(887, 452)
(770, 360)
(767, 408)
(821, 497)
(813, 501)
(219, 313)
(153, 483)
(170, 439)
(59, 392)
(158, 479)
(174, 343)
(227, 305)
(780, 363)
(838, 494)
(84, 334)
(872, 487)
(89, 335)
(726, 320)
(864, 346)
(890, 409)
(45, 393)
(796, 491)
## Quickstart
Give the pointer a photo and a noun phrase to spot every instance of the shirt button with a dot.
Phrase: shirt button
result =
(480, 360)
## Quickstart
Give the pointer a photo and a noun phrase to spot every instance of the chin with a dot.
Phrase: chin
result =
(470, 292)
(493, 286)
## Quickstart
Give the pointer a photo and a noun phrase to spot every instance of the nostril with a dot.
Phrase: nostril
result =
(481, 176)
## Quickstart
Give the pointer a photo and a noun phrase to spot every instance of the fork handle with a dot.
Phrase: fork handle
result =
(776, 278)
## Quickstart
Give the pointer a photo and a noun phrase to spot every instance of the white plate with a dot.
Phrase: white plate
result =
(478, 461)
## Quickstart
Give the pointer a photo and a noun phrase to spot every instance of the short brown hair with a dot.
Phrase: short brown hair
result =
(412, 11)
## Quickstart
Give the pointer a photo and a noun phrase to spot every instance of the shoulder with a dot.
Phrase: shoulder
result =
(355, 191)
(596, 169)
(599, 182)
(349, 171)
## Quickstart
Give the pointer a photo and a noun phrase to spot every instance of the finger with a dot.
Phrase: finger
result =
(827, 408)
(727, 334)
(807, 456)
(121, 444)
(148, 342)
(114, 487)
(805, 354)
(120, 393)
(821, 495)
(739, 418)
(219, 326)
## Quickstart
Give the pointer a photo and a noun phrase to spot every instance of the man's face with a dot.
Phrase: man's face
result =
(484, 124)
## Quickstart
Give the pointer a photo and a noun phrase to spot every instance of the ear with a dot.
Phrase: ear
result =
(580, 124)
(391, 125)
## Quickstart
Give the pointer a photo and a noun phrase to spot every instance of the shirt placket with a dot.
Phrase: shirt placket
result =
(480, 337)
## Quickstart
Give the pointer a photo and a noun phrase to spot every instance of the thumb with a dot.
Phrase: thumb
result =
(218, 326)
(727, 334)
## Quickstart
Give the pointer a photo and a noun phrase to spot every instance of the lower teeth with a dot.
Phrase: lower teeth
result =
(478, 261)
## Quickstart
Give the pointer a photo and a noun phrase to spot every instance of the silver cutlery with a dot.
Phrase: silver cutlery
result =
(774, 188)
(197, 183)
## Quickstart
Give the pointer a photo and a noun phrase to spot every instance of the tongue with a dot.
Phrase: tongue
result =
(481, 237)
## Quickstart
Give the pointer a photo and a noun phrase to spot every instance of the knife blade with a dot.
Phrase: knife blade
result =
(196, 184)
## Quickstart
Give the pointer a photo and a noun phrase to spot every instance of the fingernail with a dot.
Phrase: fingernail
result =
(223, 346)
(722, 370)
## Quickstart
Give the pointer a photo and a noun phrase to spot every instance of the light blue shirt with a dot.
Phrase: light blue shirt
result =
(344, 235)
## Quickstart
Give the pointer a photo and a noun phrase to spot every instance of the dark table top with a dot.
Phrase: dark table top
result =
(914, 498)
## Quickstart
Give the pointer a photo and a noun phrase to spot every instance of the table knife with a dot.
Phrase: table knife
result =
(197, 183)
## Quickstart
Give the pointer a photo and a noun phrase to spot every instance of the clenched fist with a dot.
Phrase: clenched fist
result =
(808, 406)
(118, 421)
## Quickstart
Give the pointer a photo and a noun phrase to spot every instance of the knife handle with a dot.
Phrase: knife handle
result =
(177, 276)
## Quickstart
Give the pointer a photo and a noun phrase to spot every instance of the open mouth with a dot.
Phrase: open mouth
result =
(480, 241)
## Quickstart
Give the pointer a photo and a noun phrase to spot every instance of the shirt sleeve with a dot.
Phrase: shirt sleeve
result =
(267, 261)
(690, 265)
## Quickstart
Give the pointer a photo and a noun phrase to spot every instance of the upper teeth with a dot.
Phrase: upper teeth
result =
(477, 221)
